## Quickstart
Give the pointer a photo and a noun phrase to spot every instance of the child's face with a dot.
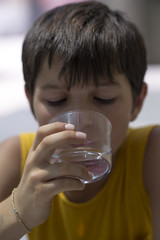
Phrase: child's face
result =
(114, 100)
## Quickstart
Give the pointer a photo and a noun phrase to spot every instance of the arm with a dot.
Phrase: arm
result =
(152, 178)
(10, 157)
(41, 180)
(10, 162)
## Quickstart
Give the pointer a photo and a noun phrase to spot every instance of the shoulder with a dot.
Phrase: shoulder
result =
(10, 143)
(10, 147)
(152, 176)
(10, 161)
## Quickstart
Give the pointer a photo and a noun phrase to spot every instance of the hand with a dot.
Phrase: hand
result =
(41, 180)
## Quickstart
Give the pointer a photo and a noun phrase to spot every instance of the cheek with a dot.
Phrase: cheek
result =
(120, 120)
(119, 131)
(42, 115)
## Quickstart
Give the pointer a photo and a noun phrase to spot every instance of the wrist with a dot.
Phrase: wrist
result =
(10, 229)
(19, 219)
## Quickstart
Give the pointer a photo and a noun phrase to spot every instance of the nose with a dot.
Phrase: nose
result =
(81, 104)
(80, 108)
(81, 99)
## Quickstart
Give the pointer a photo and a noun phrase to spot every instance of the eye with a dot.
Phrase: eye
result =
(105, 101)
(57, 103)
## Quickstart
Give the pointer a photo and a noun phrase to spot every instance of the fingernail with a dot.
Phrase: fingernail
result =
(81, 135)
(69, 126)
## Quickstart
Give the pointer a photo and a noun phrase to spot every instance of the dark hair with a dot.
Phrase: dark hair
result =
(90, 40)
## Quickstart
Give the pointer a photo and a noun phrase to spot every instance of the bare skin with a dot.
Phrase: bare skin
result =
(41, 180)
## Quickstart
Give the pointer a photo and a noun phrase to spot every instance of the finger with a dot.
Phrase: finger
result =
(63, 169)
(48, 144)
(57, 186)
(49, 129)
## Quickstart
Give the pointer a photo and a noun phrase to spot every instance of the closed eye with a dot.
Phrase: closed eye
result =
(57, 103)
(105, 101)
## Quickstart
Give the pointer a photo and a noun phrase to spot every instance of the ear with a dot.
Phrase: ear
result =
(139, 102)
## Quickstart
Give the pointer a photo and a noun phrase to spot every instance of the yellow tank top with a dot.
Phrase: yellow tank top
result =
(121, 210)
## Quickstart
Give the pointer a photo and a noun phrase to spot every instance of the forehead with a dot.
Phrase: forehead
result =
(49, 77)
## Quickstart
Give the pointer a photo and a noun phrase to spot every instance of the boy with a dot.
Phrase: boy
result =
(82, 56)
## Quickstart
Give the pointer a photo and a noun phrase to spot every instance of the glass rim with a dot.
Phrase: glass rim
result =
(83, 111)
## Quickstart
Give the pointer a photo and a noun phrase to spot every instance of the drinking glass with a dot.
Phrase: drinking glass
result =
(95, 152)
